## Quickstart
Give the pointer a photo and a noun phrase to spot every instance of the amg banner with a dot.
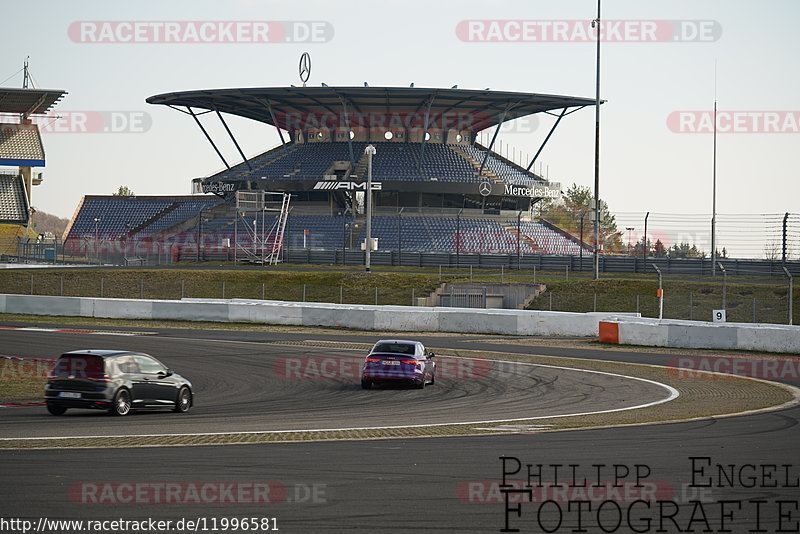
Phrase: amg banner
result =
(483, 188)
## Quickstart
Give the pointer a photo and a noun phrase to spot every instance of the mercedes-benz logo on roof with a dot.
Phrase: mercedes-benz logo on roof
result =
(305, 67)
(485, 189)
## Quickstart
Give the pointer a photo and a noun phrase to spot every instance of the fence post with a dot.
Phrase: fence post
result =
(595, 302)
(724, 286)
(502, 274)
(691, 306)
(534, 274)
(263, 291)
(183, 288)
(413, 300)
(141, 289)
(31, 284)
(61, 290)
(223, 289)
(376, 295)
(551, 301)
(637, 303)
(470, 273)
(791, 293)
(341, 293)
(440, 272)
(304, 292)
(566, 272)
(754, 310)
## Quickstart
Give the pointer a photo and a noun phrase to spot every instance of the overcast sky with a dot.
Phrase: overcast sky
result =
(648, 162)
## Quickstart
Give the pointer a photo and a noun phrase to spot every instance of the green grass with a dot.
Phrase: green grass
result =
(685, 297)
(22, 381)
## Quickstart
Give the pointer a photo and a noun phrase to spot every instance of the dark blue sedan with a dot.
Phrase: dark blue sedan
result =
(397, 361)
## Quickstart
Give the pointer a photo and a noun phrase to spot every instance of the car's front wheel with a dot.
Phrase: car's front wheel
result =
(56, 409)
(184, 400)
(122, 403)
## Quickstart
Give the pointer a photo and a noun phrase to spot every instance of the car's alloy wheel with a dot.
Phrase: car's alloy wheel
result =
(56, 409)
(184, 400)
(122, 403)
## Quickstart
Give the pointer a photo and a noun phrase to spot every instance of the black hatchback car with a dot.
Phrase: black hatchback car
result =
(115, 381)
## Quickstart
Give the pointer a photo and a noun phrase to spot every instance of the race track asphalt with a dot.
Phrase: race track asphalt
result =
(402, 485)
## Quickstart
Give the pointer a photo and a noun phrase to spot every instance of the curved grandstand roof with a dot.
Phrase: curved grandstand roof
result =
(291, 108)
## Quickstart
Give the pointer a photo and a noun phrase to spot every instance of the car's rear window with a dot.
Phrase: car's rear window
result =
(394, 348)
(79, 366)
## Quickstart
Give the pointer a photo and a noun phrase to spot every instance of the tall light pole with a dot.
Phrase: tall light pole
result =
(369, 151)
(714, 196)
(596, 23)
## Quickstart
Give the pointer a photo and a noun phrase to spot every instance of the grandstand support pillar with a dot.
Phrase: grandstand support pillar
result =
(546, 139)
(274, 121)
(27, 176)
(194, 116)
(236, 143)
(494, 138)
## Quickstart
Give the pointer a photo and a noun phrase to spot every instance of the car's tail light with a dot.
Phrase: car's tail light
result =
(373, 359)
(409, 361)
(104, 378)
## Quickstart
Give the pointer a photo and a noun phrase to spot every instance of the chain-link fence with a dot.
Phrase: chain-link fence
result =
(771, 306)
(691, 306)
(143, 288)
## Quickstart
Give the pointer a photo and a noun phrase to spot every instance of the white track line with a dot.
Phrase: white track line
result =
(673, 394)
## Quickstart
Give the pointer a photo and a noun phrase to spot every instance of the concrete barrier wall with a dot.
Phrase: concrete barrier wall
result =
(626, 329)
(701, 335)
(392, 318)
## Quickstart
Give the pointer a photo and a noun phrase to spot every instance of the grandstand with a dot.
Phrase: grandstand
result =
(434, 188)
(21, 150)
